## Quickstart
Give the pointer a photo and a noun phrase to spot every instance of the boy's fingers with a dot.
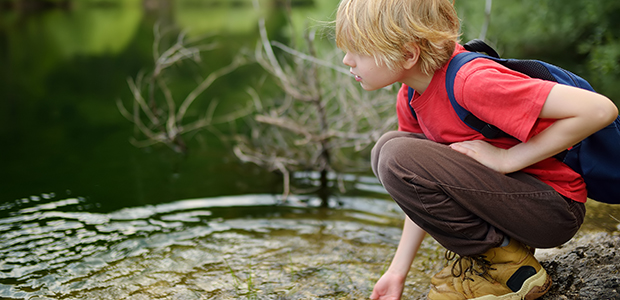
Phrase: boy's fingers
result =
(461, 147)
(468, 146)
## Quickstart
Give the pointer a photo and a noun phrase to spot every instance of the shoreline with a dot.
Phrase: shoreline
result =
(586, 267)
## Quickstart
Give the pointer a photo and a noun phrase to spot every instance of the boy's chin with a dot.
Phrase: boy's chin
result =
(369, 88)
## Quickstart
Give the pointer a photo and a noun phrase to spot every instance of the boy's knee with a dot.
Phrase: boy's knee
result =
(394, 156)
(403, 158)
(388, 145)
(390, 135)
(377, 149)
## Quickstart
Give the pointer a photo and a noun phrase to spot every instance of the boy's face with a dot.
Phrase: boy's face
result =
(370, 75)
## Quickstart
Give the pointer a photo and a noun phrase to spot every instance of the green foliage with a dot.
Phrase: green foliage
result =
(206, 17)
(582, 36)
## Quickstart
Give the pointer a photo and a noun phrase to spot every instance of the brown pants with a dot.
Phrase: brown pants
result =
(465, 206)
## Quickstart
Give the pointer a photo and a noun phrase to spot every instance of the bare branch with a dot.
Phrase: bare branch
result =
(206, 83)
(163, 122)
(311, 58)
(269, 52)
(487, 20)
(137, 95)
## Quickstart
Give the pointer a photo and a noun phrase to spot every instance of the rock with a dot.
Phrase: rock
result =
(587, 267)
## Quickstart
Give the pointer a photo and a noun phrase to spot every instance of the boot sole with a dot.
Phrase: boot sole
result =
(533, 288)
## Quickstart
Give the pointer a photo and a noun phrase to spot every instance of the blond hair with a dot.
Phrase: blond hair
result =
(387, 30)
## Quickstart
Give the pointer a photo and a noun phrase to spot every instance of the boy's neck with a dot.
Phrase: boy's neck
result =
(419, 81)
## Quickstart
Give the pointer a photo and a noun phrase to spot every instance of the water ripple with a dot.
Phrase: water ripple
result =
(50, 250)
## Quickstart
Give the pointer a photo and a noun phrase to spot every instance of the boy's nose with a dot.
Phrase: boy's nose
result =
(347, 61)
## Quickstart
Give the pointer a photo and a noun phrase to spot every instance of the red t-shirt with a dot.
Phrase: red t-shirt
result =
(497, 95)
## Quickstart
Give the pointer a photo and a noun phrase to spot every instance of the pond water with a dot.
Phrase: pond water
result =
(237, 247)
(229, 247)
(86, 215)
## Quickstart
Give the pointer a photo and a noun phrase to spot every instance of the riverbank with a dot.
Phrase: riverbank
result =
(587, 267)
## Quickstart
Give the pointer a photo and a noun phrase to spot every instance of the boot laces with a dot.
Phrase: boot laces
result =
(476, 265)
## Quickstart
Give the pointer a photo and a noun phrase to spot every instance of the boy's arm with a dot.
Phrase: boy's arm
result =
(391, 284)
(579, 113)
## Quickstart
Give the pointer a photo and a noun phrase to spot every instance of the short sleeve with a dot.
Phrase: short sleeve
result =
(507, 99)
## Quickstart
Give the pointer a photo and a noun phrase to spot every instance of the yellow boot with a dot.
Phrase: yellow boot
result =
(509, 272)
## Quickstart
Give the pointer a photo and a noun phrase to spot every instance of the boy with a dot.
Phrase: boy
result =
(491, 201)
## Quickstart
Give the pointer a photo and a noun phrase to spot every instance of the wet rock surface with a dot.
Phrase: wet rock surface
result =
(587, 267)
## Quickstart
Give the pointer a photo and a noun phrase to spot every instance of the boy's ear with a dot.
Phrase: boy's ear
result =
(412, 54)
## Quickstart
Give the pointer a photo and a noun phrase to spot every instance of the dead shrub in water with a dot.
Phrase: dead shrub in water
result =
(322, 119)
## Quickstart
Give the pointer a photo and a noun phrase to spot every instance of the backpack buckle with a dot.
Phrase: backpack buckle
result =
(491, 132)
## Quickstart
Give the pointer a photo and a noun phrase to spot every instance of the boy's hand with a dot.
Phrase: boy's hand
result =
(389, 287)
(578, 113)
(486, 154)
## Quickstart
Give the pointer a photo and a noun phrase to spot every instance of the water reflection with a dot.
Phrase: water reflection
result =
(252, 246)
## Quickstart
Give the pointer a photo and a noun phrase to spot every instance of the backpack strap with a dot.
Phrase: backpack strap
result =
(409, 97)
(532, 68)
(489, 131)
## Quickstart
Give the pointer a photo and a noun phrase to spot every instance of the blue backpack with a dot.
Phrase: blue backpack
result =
(596, 158)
